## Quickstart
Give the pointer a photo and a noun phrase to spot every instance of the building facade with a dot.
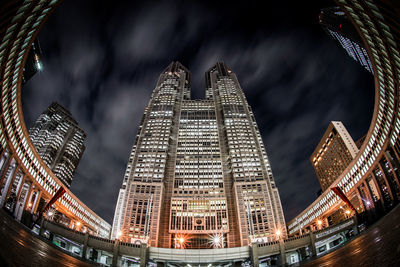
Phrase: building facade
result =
(59, 141)
(373, 177)
(23, 174)
(333, 154)
(33, 62)
(198, 175)
(336, 24)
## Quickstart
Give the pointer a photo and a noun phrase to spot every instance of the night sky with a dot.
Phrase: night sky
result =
(102, 60)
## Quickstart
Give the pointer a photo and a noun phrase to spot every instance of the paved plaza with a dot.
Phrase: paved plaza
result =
(20, 247)
(378, 246)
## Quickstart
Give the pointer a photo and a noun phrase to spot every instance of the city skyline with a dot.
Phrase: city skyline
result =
(198, 175)
(290, 126)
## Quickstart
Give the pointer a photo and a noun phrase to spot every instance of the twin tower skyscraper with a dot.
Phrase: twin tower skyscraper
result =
(198, 174)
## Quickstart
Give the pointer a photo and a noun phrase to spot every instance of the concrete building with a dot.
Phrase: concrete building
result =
(336, 24)
(59, 141)
(360, 141)
(33, 62)
(333, 154)
(373, 176)
(25, 179)
(198, 175)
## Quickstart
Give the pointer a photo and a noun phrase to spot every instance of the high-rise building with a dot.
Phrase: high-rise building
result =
(198, 175)
(59, 141)
(360, 141)
(335, 22)
(333, 154)
(33, 62)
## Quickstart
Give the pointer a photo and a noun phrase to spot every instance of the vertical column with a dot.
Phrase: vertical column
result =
(254, 254)
(21, 200)
(5, 163)
(143, 255)
(388, 185)
(41, 230)
(355, 227)
(11, 185)
(20, 185)
(377, 187)
(393, 159)
(115, 253)
(390, 175)
(29, 203)
(36, 202)
(282, 251)
(9, 176)
(360, 199)
(85, 245)
(312, 241)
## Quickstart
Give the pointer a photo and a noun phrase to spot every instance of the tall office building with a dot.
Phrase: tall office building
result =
(198, 175)
(33, 62)
(334, 21)
(59, 141)
(360, 141)
(333, 154)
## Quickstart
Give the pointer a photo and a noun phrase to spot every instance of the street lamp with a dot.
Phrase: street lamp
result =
(217, 240)
(180, 241)
(119, 233)
(278, 233)
(347, 213)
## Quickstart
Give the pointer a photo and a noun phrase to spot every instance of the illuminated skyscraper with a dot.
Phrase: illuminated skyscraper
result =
(33, 62)
(198, 175)
(59, 141)
(334, 21)
(333, 154)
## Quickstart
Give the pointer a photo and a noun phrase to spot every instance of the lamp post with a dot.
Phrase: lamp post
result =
(278, 234)
(282, 250)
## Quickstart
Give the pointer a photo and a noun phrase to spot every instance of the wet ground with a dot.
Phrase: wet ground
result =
(20, 247)
(378, 246)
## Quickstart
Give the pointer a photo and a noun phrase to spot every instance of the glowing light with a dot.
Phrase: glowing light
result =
(319, 222)
(278, 232)
(119, 233)
(50, 213)
(39, 65)
(347, 212)
(217, 240)
(181, 241)
(30, 205)
(78, 223)
(368, 203)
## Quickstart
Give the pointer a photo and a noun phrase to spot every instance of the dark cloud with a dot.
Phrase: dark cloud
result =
(102, 62)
